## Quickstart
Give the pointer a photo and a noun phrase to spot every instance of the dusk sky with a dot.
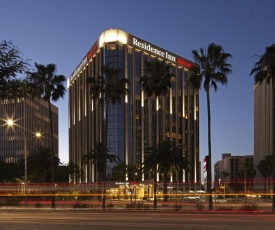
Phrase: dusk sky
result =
(63, 31)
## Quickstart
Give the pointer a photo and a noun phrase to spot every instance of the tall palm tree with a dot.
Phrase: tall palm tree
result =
(168, 157)
(264, 70)
(45, 84)
(110, 87)
(214, 68)
(156, 82)
(249, 173)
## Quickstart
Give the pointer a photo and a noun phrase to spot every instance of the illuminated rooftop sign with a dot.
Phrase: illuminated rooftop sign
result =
(150, 48)
(161, 53)
(116, 35)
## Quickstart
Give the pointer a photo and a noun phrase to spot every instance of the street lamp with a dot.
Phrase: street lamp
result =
(11, 123)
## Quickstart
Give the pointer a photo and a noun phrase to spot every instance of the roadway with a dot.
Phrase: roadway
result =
(84, 220)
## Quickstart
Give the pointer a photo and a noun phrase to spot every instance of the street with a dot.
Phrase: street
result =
(71, 220)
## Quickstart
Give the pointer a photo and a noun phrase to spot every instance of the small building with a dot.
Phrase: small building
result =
(230, 172)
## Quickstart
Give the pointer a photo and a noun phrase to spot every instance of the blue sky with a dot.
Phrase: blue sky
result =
(62, 31)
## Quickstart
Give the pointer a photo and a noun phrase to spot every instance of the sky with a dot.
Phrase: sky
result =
(63, 31)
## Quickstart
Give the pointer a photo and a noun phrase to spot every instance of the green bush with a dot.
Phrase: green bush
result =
(225, 208)
(110, 205)
(177, 207)
(10, 201)
(137, 205)
(199, 206)
(80, 205)
(249, 207)
(38, 205)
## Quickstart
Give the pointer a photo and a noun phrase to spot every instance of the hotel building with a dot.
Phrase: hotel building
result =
(29, 116)
(228, 168)
(131, 127)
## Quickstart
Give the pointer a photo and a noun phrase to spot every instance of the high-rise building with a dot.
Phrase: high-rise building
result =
(29, 117)
(131, 127)
(263, 113)
(263, 136)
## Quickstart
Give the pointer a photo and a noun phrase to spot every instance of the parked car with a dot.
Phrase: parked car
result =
(219, 199)
(191, 198)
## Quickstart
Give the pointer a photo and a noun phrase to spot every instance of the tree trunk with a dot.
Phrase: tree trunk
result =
(52, 163)
(155, 167)
(105, 134)
(165, 184)
(273, 144)
(209, 167)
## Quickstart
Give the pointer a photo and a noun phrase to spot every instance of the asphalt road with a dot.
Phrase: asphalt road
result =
(78, 220)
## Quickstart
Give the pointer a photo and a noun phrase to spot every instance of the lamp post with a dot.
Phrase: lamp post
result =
(11, 123)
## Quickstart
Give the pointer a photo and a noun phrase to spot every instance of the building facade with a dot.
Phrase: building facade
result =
(263, 136)
(130, 126)
(29, 116)
(263, 113)
(229, 170)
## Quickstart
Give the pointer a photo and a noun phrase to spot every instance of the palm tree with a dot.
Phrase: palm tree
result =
(97, 155)
(262, 170)
(265, 168)
(111, 87)
(249, 173)
(45, 84)
(168, 157)
(225, 175)
(156, 82)
(264, 70)
(214, 69)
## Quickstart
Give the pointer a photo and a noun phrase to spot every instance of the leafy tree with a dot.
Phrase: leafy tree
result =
(121, 170)
(65, 171)
(110, 87)
(214, 68)
(8, 171)
(168, 157)
(264, 70)
(39, 165)
(156, 82)
(45, 84)
(11, 65)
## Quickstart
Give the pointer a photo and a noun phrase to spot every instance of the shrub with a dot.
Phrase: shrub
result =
(80, 205)
(110, 205)
(249, 207)
(177, 207)
(11, 201)
(225, 208)
(137, 205)
(199, 206)
(37, 205)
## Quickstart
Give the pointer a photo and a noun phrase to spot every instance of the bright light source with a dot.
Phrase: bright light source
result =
(38, 135)
(10, 122)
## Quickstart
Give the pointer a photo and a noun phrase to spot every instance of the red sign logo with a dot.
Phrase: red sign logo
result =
(91, 52)
(184, 63)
